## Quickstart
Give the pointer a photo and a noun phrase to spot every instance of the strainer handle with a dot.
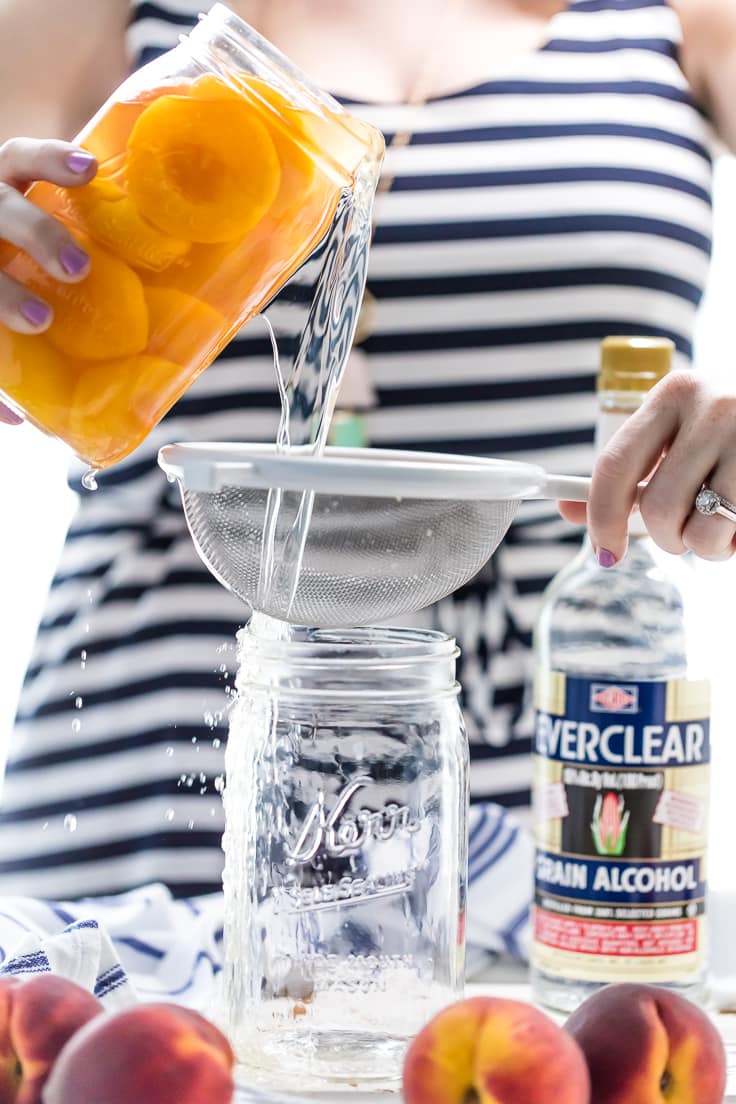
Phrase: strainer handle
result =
(572, 488)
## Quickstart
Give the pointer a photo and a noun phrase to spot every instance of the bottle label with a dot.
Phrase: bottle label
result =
(620, 813)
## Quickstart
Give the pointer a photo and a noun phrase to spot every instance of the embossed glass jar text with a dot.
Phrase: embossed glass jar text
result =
(345, 848)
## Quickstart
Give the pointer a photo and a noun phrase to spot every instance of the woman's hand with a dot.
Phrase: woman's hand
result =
(684, 434)
(23, 160)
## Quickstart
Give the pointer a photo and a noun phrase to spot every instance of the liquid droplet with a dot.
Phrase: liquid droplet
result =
(169, 814)
(216, 742)
(210, 720)
(89, 479)
(169, 751)
(76, 725)
(70, 822)
(220, 783)
(78, 702)
(190, 825)
(202, 777)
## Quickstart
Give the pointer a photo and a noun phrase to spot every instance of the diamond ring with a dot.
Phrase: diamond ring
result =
(708, 502)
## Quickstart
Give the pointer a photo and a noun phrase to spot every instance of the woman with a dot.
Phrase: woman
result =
(556, 189)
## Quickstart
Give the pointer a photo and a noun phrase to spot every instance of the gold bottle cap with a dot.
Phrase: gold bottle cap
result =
(634, 363)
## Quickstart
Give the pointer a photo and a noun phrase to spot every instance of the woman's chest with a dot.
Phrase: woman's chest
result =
(382, 51)
(388, 52)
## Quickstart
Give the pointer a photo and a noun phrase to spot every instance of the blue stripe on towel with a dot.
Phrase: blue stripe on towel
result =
(60, 912)
(202, 956)
(76, 925)
(481, 849)
(15, 920)
(34, 963)
(140, 946)
(497, 855)
(111, 979)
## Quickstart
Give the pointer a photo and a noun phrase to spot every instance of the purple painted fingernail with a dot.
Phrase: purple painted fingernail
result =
(605, 558)
(79, 161)
(73, 260)
(35, 312)
(9, 416)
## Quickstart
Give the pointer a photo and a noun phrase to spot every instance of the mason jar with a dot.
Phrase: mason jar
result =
(220, 170)
(345, 848)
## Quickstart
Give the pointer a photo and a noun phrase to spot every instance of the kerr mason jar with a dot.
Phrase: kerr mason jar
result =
(345, 848)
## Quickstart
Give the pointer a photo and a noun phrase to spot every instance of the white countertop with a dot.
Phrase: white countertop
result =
(519, 990)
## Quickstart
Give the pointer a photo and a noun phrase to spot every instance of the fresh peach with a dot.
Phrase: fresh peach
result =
(37, 1019)
(648, 1045)
(151, 1054)
(489, 1050)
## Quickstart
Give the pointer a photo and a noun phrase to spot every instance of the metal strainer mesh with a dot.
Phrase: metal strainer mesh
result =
(365, 559)
(349, 537)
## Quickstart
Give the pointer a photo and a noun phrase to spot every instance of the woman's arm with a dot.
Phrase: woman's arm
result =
(682, 417)
(709, 59)
(59, 59)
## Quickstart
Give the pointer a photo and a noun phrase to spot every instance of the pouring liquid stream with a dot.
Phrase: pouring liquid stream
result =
(308, 387)
(311, 335)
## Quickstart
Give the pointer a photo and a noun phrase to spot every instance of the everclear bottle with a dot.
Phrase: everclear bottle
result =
(621, 762)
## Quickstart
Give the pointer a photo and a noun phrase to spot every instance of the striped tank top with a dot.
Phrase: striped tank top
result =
(564, 198)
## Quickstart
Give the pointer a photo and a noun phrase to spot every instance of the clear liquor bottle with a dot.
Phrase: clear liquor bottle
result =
(621, 762)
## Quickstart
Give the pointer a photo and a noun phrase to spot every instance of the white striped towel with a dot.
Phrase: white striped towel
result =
(144, 945)
(141, 945)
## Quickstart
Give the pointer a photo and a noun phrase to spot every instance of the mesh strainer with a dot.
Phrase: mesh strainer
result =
(357, 535)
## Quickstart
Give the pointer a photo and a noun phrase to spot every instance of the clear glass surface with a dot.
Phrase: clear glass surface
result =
(345, 843)
(639, 621)
(225, 182)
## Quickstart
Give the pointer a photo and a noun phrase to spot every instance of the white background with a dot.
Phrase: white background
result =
(36, 505)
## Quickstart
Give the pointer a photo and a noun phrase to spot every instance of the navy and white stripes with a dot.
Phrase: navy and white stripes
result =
(564, 198)
(141, 946)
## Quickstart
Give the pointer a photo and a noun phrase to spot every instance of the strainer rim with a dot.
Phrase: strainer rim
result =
(376, 473)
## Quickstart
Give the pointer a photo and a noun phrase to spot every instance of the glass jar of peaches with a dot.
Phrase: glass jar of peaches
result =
(220, 171)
